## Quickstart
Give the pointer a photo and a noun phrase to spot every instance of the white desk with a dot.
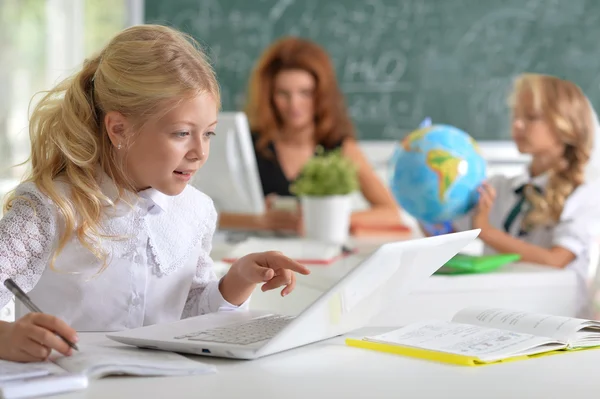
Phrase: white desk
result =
(526, 287)
(523, 286)
(330, 369)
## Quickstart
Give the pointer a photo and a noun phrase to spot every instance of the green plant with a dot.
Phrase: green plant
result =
(326, 174)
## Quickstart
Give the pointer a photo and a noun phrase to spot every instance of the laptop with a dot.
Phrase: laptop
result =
(386, 275)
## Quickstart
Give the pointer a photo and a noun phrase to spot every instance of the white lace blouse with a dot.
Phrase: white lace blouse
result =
(158, 268)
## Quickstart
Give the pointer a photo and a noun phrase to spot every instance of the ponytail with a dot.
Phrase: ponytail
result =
(65, 142)
(142, 69)
(548, 207)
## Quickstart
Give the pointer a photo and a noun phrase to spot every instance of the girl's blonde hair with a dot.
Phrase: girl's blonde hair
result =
(142, 73)
(568, 112)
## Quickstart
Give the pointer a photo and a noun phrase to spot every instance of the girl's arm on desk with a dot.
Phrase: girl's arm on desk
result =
(505, 243)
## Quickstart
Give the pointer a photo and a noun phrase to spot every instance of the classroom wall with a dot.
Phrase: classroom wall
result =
(398, 61)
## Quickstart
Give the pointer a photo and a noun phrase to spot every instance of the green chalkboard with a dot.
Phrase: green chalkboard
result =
(398, 61)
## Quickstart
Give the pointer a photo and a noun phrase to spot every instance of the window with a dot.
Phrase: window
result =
(22, 73)
(41, 42)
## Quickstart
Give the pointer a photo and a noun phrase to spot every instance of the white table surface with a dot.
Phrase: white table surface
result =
(518, 274)
(331, 369)
(520, 285)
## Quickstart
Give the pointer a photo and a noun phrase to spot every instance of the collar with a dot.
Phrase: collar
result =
(152, 200)
(539, 181)
(156, 201)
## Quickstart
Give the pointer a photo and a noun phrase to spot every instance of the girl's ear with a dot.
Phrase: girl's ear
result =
(117, 127)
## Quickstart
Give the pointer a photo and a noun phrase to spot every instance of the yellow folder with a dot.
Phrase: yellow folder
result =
(442, 356)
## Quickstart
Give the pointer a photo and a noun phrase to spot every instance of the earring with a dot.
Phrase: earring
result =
(119, 146)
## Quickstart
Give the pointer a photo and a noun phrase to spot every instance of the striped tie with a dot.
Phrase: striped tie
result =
(516, 210)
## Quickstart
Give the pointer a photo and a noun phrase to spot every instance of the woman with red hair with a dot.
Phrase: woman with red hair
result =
(294, 105)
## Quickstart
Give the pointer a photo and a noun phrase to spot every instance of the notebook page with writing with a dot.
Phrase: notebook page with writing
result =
(576, 332)
(486, 344)
(100, 361)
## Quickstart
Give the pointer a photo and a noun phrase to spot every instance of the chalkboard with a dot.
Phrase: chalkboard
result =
(399, 61)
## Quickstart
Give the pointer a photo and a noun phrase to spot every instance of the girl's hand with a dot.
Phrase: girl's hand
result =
(487, 196)
(271, 268)
(32, 337)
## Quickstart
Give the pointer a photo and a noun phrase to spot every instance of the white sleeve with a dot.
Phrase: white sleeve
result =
(204, 296)
(579, 223)
(28, 236)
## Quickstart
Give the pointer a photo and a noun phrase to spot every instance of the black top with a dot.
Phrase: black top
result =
(272, 177)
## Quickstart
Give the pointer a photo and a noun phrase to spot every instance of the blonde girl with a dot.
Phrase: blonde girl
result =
(105, 233)
(549, 213)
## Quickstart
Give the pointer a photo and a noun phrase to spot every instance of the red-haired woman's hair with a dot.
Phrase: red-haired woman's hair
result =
(332, 123)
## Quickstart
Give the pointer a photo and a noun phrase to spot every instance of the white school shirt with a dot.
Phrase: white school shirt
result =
(158, 271)
(576, 230)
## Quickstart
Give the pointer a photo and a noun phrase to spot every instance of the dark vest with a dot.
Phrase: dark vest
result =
(272, 178)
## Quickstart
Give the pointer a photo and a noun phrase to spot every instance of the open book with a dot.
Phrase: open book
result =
(70, 373)
(101, 361)
(479, 335)
(299, 249)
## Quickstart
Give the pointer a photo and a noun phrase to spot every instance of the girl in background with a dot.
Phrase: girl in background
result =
(549, 214)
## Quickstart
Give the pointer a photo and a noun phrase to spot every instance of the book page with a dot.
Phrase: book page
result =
(100, 361)
(557, 327)
(487, 344)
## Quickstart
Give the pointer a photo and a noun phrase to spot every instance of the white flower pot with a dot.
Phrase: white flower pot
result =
(327, 218)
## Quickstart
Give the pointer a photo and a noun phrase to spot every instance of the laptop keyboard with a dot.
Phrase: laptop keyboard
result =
(246, 333)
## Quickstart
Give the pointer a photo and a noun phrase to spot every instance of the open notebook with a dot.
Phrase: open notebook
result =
(479, 335)
(101, 361)
(301, 250)
(92, 362)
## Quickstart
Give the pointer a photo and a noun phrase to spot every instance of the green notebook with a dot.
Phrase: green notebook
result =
(462, 263)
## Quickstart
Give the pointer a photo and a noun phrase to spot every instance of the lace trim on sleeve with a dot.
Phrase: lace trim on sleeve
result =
(199, 299)
(28, 233)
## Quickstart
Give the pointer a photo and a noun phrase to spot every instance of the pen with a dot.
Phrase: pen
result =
(22, 296)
